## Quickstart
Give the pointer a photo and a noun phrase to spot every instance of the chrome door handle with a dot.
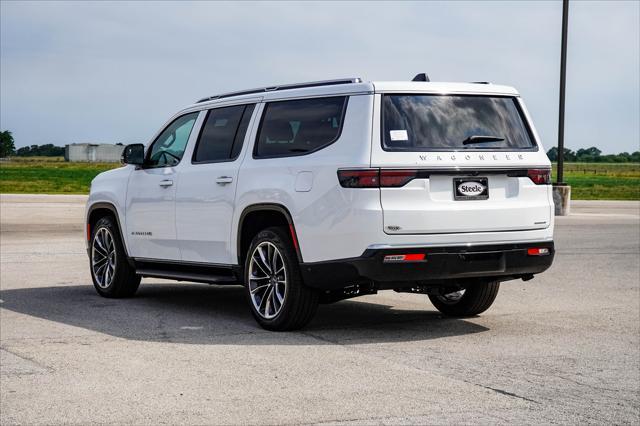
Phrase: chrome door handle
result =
(166, 182)
(223, 180)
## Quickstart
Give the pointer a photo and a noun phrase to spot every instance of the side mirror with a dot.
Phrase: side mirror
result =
(133, 154)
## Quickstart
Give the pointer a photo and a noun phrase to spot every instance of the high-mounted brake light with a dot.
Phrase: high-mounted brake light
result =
(540, 176)
(538, 251)
(413, 257)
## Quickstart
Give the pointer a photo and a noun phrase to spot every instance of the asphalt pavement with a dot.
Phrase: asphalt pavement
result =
(562, 348)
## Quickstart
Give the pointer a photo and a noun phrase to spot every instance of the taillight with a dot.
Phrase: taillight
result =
(538, 251)
(540, 176)
(365, 178)
(375, 178)
(396, 178)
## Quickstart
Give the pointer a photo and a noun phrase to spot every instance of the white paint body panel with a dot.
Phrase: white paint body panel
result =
(198, 220)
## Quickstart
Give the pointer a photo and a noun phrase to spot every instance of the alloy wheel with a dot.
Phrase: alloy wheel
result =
(103, 257)
(267, 280)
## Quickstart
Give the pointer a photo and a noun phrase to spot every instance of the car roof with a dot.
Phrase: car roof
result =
(351, 86)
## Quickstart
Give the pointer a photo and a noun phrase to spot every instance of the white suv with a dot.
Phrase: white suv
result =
(316, 192)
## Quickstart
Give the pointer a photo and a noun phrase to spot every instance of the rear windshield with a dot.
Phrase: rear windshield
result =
(448, 122)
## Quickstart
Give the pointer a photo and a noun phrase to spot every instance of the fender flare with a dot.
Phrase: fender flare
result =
(267, 207)
(114, 210)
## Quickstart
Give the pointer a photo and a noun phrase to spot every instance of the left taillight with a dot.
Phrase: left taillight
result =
(540, 176)
(363, 178)
(375, 178)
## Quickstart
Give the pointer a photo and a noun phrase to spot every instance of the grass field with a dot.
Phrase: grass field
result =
(52, 175)
(48, 175)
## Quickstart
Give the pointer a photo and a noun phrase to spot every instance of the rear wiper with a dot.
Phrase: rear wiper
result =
(481, 139)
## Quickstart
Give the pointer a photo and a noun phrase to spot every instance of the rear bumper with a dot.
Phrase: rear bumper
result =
(441, 265)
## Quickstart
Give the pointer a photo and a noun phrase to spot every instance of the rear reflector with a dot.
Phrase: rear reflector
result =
(538, 251)
(414, 257)
(540, 176)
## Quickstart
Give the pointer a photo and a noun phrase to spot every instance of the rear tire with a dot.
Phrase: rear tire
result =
(477, 298)
(111, 272)
(277, 296)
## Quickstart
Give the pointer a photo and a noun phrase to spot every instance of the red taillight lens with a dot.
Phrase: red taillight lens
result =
(413, 257)
(396, 178)
(540, 176)
(375, 178)
(538, 251)
(365, 178)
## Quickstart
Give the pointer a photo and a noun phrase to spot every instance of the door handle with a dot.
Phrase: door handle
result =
(166, 182)
(223, 180)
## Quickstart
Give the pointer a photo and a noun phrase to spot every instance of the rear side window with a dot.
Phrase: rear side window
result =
(300, 127)
(222, 134)
(448, 122)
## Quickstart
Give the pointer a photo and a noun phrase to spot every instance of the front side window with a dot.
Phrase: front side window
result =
(222, 134)
(300, 126)
(453, 122)
(168, 148)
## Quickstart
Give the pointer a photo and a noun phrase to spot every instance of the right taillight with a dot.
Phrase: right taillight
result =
(540, 176)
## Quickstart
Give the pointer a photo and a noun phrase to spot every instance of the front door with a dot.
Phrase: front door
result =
(151, 194)
(206, 194)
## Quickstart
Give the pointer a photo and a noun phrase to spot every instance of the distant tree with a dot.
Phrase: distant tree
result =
(47, 150)
(7, 146)
(568, 154)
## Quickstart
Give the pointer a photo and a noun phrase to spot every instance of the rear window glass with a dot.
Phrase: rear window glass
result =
(300, 126)
(448, 122)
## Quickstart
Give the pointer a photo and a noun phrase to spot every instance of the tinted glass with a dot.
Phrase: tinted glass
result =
(222, 134)
(432, 122)
(298, 127)
(168, 148)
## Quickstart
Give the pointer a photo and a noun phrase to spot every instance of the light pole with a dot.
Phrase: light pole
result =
(562, 191)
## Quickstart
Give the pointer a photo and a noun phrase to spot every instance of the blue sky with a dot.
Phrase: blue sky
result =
(114, 71)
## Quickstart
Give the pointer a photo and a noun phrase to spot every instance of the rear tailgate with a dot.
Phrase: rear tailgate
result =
(458, 164)
(428, 204)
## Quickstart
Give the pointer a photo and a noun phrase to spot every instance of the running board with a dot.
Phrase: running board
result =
(202, 273)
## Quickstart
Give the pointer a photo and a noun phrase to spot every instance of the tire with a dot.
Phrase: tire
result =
(112, 274)
(477, 298)
(278, 301)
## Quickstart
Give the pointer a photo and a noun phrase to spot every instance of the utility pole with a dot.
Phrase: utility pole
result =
(563, 80)
(562, 191)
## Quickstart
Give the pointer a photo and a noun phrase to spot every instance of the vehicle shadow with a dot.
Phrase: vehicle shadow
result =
(201, 314)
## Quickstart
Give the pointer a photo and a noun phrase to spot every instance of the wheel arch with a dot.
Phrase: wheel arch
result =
(260, 216)
(99, 210)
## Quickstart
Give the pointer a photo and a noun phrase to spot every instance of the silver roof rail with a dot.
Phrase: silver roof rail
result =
(283, 87)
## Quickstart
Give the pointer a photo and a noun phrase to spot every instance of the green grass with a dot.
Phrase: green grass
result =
(48, 175)
(52, 175)
(602, 181)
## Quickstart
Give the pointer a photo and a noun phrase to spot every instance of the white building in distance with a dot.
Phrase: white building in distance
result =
(92, 152)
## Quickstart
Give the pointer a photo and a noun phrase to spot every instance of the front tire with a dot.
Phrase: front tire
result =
(278, 298)
(467, 302)
(111, 272)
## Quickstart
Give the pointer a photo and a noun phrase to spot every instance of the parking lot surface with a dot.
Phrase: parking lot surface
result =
(562, 348)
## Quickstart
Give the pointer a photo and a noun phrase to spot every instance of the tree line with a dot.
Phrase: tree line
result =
(593, 155)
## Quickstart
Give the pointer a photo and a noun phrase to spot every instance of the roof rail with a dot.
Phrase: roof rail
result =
(283, 87)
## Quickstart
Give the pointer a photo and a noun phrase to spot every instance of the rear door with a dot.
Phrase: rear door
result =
(206, 193)
(459, 163)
